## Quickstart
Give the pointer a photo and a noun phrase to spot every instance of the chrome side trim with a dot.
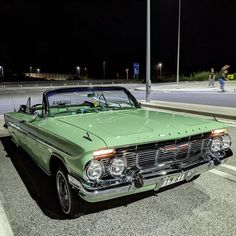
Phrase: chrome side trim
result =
(41, 141)
(17, 127)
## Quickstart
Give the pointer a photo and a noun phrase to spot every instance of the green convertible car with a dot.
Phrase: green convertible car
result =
(99, 143)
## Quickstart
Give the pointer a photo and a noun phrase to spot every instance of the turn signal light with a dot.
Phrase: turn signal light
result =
(103, 153)
(218, 132)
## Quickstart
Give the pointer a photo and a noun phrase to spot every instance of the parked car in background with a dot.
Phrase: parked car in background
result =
(99, 144)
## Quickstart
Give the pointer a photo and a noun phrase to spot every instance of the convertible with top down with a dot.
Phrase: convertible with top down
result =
(99, 144)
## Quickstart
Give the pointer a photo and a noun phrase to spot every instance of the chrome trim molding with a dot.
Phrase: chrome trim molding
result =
(129, 188)
(43, 142)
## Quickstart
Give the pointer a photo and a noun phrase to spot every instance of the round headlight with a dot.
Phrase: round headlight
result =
(226, 141)
(215, 145)
(94, 170)
(117, 167)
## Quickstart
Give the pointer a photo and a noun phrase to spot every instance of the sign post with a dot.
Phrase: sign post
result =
(127, 73)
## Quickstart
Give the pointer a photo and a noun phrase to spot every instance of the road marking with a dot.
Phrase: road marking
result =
(223, 174)
(231, 123)
(5, 228)
(229, 167)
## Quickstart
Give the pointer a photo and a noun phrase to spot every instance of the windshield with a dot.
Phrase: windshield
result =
(87, 100)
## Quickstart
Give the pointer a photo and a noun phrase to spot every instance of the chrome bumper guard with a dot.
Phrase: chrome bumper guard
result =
(155, 183)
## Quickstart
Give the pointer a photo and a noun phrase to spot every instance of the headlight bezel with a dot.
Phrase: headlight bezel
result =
(222, 145)
(111, 162)
(86, 173)
(214, 140)
(227, 136)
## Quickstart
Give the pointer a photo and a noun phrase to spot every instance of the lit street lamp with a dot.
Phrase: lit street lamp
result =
(38, 70)
(159, 66)
(104, 69)
(1, 71)
(78, 71)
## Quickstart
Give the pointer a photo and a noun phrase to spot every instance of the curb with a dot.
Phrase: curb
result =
(205, 113)
(3, 132)
(185, 90)
(5, 228)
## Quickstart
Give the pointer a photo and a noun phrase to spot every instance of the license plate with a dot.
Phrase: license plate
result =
(172, 179)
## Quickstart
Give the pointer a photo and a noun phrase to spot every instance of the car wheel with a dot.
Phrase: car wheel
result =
(71, 204)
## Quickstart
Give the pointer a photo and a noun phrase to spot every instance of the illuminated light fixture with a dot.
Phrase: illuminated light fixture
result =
(103, 153)
(95, 170)
(117, 167)
(218, 132)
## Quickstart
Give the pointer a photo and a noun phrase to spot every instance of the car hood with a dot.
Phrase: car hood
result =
(125, 127)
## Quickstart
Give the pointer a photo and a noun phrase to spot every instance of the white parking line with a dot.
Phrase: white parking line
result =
(230, 123)
(229, 167)
(223, 174)
(5, 228)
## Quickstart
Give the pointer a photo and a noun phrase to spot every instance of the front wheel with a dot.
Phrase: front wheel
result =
(71, 204)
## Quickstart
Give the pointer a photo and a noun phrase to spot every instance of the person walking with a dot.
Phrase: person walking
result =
(212, 77)
(223, 73)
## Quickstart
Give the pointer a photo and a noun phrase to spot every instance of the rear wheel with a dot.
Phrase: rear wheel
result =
(71, 204)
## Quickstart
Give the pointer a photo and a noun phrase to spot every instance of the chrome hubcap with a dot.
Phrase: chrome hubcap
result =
(63, 193)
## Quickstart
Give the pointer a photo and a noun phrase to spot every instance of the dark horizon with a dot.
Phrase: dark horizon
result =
(57, 36)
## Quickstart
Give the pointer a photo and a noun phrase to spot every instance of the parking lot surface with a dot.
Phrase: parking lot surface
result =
(206, 206)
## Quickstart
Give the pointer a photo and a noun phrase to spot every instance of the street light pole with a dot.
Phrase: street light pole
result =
(160, 67)
(177, 79)
(1, 71)
(148, 54)
(78, 72)
(104, 69)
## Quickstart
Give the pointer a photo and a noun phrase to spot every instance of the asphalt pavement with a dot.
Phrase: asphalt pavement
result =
(194, 87)
(206, 206)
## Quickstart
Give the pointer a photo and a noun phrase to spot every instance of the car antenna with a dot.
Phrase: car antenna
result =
(13, 104)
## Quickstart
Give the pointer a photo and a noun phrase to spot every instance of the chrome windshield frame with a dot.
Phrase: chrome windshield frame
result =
(51, 92)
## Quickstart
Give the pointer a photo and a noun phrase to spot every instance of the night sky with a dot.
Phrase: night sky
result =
(58, 35)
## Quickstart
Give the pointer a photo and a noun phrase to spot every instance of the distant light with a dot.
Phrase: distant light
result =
(77, 68)
(38, 70)
(160, 65)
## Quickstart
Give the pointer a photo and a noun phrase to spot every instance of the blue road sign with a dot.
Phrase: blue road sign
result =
(136, 68)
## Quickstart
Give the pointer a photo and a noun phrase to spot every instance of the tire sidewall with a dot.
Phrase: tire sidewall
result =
(62, 173)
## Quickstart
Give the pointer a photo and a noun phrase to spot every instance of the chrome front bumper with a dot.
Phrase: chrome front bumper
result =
(153, 183)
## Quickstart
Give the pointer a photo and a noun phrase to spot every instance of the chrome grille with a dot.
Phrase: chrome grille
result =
(146, 158)
(188, 150)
